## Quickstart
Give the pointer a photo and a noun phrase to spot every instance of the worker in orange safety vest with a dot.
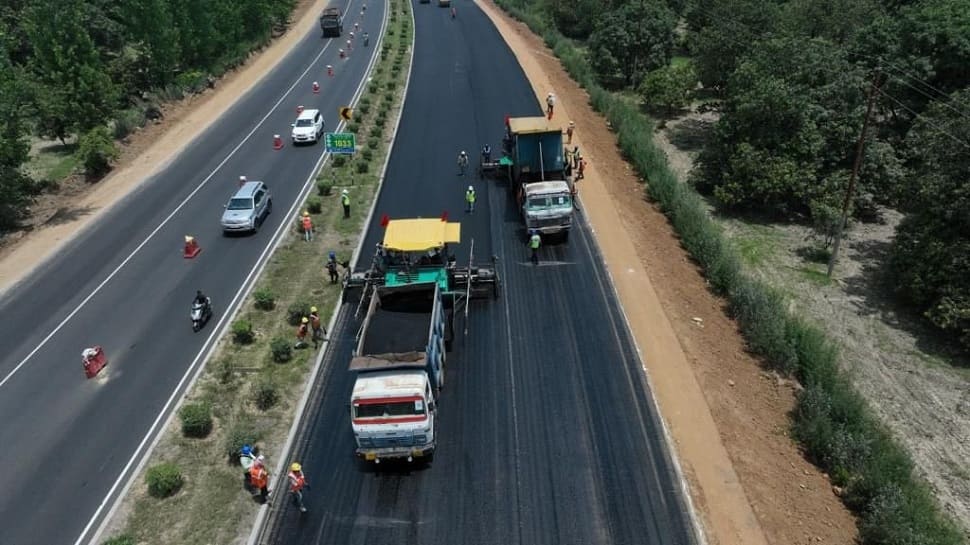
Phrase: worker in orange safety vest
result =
(297, 484)
(301, 332)
(307, 226)
(259, 477)
(318, 330)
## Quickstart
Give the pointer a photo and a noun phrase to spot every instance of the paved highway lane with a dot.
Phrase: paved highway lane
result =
(547, 433)
(124, 285)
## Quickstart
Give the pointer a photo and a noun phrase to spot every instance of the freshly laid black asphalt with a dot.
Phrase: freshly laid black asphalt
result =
(65, 440)
(547, 434)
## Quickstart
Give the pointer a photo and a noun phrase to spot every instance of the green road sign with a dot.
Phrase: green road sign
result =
(341, 142)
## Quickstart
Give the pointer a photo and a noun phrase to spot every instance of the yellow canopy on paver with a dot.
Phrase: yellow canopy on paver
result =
(417, 235)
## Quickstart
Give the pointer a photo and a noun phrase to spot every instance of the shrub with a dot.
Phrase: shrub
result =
(373, 87)
(164, 480)
(362, 167)
(265, 394)
(196, 419)
(367, 154)
(372, 143)
(242, 332)
(363, 109)
(391, 85)
(389, 97)
(376, 132)
(324, 188)
(96, 150)
(242, 432)
(339, 161)
(123, 539)
(264, 299)
(314, 206)
(366, 100)
(225, 371)
(352, 127)
(281, 350)
(127, 122)
(297, 312)
(192, 81)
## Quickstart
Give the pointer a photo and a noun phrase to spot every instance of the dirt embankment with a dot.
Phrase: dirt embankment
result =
(747, 464)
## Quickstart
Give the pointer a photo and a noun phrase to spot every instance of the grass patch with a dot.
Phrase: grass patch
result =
(831, 420)
(251, 396)
(52, 161)
(814, 276)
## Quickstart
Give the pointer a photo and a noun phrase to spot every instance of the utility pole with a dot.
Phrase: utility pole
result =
(860, 150)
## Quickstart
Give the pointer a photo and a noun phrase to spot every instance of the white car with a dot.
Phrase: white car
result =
(308, 127)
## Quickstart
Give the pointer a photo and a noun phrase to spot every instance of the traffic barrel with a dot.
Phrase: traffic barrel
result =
(191, 248)
(277, 142)
(316, 88)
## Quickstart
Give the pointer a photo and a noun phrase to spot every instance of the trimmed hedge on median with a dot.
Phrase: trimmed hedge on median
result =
(831, 420)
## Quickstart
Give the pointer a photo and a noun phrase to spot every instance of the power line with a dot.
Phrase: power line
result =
(956, 139)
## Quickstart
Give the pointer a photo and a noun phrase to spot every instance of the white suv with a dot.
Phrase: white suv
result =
(308, 127)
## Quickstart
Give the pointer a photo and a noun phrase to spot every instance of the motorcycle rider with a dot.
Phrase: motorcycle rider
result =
(201, 299)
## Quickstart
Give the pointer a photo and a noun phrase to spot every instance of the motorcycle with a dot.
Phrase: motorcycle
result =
(200, 314)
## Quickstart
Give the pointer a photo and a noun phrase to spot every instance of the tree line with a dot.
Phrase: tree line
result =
(790, 80)
(95, 69)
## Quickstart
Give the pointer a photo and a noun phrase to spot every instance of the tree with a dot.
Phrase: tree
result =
(575, 18)
(931, 253)
(75, 92)
(669, 87)
(16, 189)
(631, 40)
(722, 31)
(787, 134)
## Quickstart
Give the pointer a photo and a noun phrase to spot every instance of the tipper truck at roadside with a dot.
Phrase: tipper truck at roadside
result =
(539, 174)
(331, 23)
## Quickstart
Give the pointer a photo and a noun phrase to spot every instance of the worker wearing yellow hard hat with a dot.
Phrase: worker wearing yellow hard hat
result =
(297, 484)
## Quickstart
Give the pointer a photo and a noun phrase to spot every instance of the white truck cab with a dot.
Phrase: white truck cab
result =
(393, 415)
(547, 207)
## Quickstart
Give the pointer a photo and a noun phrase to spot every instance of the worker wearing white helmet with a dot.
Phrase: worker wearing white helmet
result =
(462, 162)
(470, 199)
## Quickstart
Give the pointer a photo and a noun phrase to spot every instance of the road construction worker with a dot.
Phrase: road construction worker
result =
(345, 201)
(580, 167)
(246, 459)
(453, 12)
(301, 332)
(487, 154)
(307, 226)
(259, 477)
(297, 484)
(534, 242)
(550, 104)
(366, 39)
(569, 132)
(332, 267)
(462, 162)
(575, 156)
(470, 199)
(318, 330)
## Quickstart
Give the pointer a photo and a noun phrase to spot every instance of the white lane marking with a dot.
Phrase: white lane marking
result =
(194, 370)
(163, 222)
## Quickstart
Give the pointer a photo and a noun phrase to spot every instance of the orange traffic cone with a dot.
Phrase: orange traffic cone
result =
(316, 88)
(192, 247)
(277, 142)
(330, 70)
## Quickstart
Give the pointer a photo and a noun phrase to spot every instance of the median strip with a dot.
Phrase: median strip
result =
(191, 490)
